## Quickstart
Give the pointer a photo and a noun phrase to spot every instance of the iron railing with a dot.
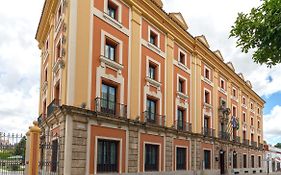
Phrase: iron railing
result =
(153, 118)
(52, 106)
(182, 126)
(110, 108)
(260, 146)
(236, 139)
(12, 150)
(245, 142)
(224, 135)
(208, 132)
(253, 144)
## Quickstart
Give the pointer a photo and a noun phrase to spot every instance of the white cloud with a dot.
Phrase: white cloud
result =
(214, 19)
(272, 129)
(19, 64)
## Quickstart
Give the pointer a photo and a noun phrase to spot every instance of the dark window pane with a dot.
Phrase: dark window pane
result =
(207, 159)
(181, 158)
(151, 157)
(107, 156)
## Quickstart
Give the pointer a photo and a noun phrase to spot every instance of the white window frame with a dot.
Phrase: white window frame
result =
(119, 10)
(221, 79)
(61, 48)
(187, 161)
(185, 82)
(235, 110)
(148, 60)
(243, 116)
(58, 18)
(159, 155)
(151, 29)
(211, 158)
(205, 75)
(185, 56)
(234, 89)
(210, 96)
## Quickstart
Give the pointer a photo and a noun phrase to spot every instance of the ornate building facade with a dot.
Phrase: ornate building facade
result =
(125, 89)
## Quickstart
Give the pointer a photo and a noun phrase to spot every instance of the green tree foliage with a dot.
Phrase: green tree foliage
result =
(278, 145)
(20, 147)
(260, 30)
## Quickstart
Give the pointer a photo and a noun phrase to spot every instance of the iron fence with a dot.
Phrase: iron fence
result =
(12, 153)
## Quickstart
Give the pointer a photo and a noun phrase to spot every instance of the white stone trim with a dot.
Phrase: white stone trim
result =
(153, 48)
(110, 21)
(182, 67)
(104, 34)
(205, 76)
(185, 56)
(96, 150)
(205, 89)
(151, 29)
(119, 10)
(207, 81)
(211, 158)
(186, 84)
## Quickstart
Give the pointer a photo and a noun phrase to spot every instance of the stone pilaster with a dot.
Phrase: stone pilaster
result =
(133, 150)
(169, 152)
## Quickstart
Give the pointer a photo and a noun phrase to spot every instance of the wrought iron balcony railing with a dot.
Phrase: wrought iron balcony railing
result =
(110, 108)
(245, 142)
(253, 144)
(183, 126)
(236, 139)
(208, 132)
(224, 135)
(52, 106)
(152, 118)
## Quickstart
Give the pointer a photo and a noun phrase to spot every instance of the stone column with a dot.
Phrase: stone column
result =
(169, 152)
(34, 149)
(133, 150)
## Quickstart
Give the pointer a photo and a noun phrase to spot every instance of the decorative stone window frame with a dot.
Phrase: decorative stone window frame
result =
(46, 49)
(181, 51)
(211, 158)
(180, 94)
(120, 152)
(210, 93)
(252, 105)
(116, 65)
(236, 110)
(59, 18)
(151, 29)
(186, 160)
(234, 96)
(159, 154)
(119, 11)
(151, 81)
(205, 75)
(242, 104)
(243, 116)
(45, 82)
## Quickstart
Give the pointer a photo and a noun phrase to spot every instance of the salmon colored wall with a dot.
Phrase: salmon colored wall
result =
(107, 132)
(98, 26)
(152, 139)
(147, 52)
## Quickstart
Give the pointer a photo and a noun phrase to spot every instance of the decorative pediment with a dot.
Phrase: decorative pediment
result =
(218, 53)
(159, 3)
(203, 39)
(241, 76)
(230, 65)
(249, 83)
(180, 20)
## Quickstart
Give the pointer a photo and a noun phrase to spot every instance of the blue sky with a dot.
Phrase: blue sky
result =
(20, 57)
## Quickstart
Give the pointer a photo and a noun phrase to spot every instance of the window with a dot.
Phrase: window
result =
(244, 135)
(234, 159)
(252, 106)
(253, 161)
(152, 71)
(153, 38)
(222, 103)
(234, 92)
(107, 156)
(252, 137)
(182, 57)
(151, 110)
(151, 157)
(180, 119)
(244, 117)
(258, 124)
(59, 14)
(108, 101)
(47, 45)
(207, 159)
(244, 100)
(244, 161)
(259, 159)
(234, 111)
(206, 122)
(207, 73)
(54, 157)
(112, 10)
(110, 49)
(46, 75)
(222, 84)
(259, 139)
(181, 158)
(207, 97)
(252, 121)
(58, 50)
(44, 107)
(181, 85)
(258, 110)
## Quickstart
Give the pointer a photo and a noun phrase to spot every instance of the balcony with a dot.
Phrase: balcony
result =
(254, 144)
(224, 135)
(260, 146)
(208, 132)
(52, 106)
(245, 142)
(110, 108)
(153, 118)
(183, 126)
(236, 139)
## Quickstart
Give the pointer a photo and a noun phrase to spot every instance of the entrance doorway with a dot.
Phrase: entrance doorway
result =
(222, 162)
